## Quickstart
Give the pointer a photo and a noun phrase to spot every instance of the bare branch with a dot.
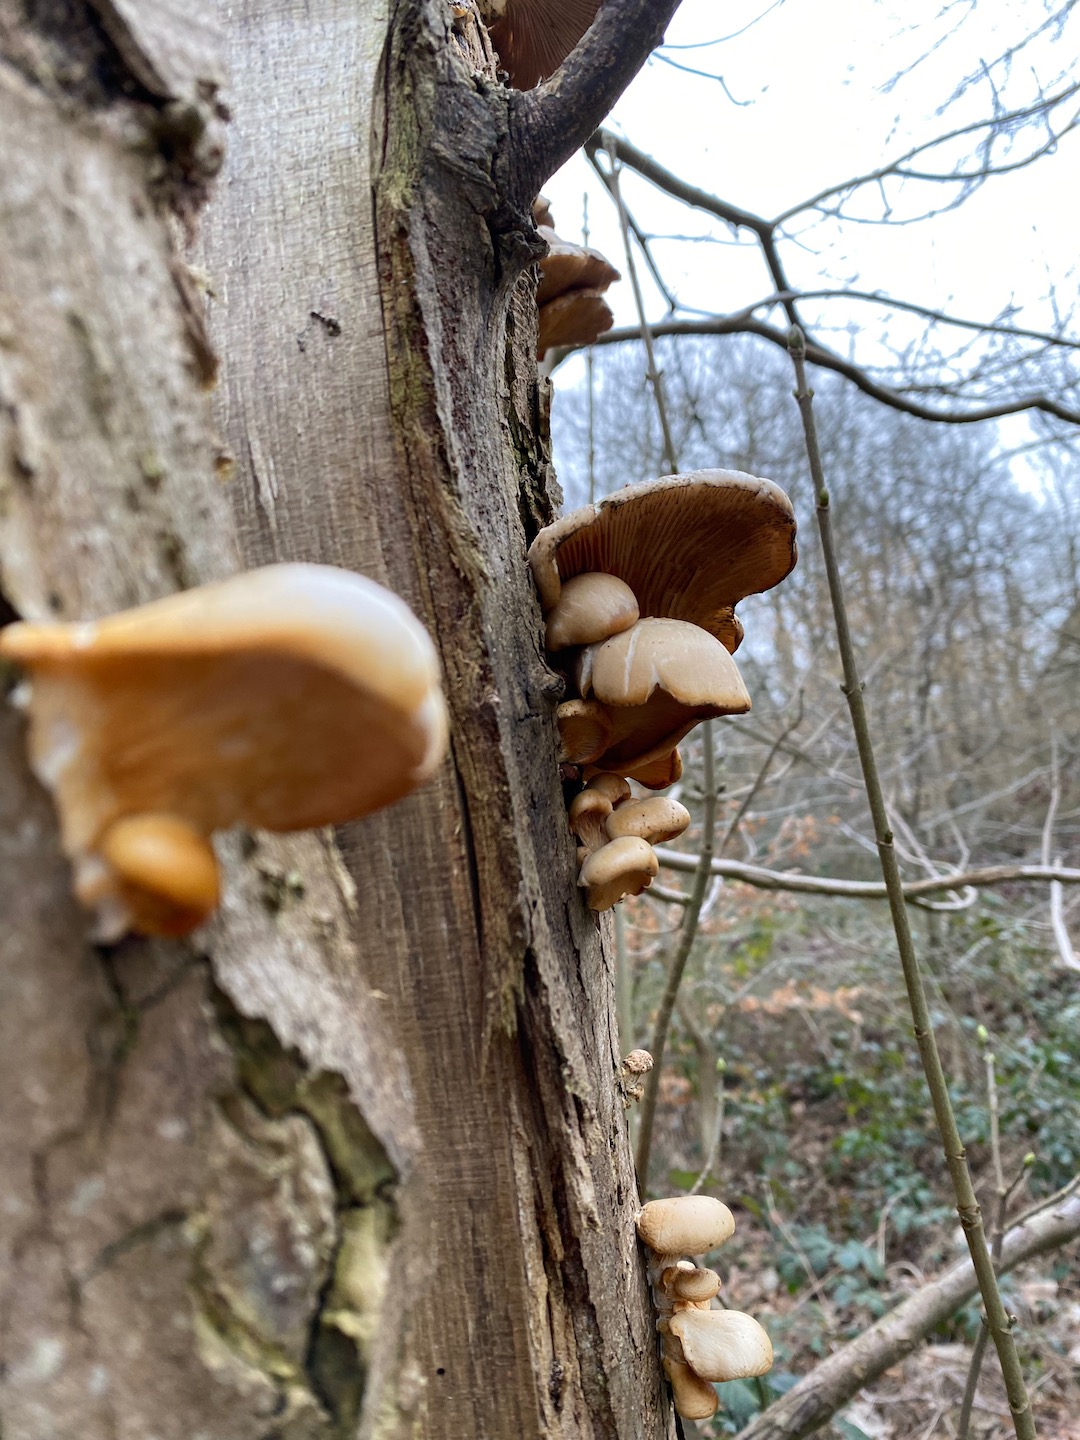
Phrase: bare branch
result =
(763, 879)
(549, 123)
(816, 1398)
(817, 354)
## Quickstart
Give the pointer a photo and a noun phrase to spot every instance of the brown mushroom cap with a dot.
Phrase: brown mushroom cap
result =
(577, 318)
(619, 868)
(590, 608)
(289, 697)
(689, 546)
(722, 1344)
(694, 1284)
(534, 37)
(657, 774)
(685, 1224)
(656, 818)
(567, 267)
(589, 809)
(659, 679)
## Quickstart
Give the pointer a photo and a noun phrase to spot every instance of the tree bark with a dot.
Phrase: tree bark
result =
(353, 1161)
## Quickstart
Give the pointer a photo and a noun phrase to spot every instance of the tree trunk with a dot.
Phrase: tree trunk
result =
(353, 1161)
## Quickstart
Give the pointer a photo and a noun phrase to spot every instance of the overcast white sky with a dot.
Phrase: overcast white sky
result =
(808, 101)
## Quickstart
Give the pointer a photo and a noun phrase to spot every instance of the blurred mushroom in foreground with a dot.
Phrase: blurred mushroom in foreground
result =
(286, 698)
(699, 1345)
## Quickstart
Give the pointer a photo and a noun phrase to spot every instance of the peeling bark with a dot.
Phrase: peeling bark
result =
(354, 1160)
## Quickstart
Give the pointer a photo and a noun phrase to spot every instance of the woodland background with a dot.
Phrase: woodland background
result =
(790, 1075)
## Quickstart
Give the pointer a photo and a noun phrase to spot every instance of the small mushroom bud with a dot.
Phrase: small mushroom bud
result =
(655, 819)
(591, 607)
(722, 1344)
(695, 1398)
(588, 811)
(584, 728)
(613, 786)
(619, 868)
(694, 1285)
(684, 1224)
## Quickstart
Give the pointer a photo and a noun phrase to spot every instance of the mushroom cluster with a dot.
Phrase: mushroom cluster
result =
(285, 698)
(639, 594)
(570, 294)
(699, 1345)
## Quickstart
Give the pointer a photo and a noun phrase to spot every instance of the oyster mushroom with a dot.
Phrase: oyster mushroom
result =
(619, 868)
(289, 697)
(690, 547)
(658, 680)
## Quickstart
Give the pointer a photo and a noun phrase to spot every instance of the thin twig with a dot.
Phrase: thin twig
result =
(687, 935)
(966, 1203)
(1002, 1193)
(763, 879)
(610, 177)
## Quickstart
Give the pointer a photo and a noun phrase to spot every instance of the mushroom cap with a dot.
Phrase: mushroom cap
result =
(722, 1344)
(613, 786)
(161, 872)
(567, 267)
(694, 1284)
(584, 730)
(288, 697)
(577, 318)
(695, 1398)
(655, 818)
(588, 811)
(684, 1224)
(534, 37)
(589, 609)
(689, 546)
(541, 212)
(619, 868)
(657, 774)
(659, 678)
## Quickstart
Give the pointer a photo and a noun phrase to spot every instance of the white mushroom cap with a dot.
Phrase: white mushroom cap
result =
(656, 818)
(619, 868)
(695, 1399)
(591, 607)
(722, 1344)
(285, 698)
(684, 1224)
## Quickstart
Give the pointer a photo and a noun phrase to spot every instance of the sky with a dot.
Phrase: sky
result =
(808, 97)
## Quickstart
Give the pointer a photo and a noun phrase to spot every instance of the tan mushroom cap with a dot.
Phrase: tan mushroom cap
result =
(289, 697)
(695, 1399)
(685, 1224)
(655, 819)
(577, 318)
(694, 1284)
(619, 868)
(567, 266)
(590, 608)
(659, 679)
(689, 546)
(722, 1344)
(588, 811)
(656, 774)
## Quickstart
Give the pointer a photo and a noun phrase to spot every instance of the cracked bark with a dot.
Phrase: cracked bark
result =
(353, 1162)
